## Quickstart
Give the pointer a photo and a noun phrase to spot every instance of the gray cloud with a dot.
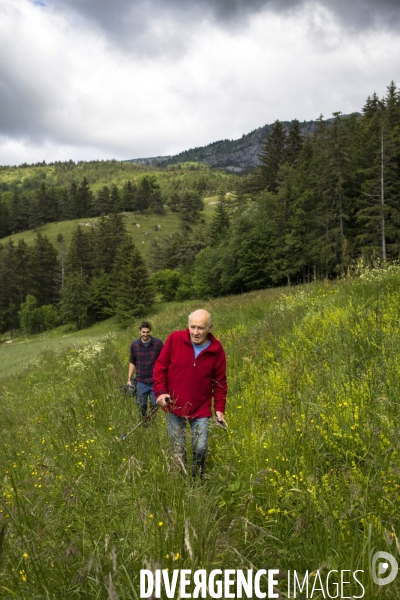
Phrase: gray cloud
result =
(131, 23)
(94, 78)
(20, 115)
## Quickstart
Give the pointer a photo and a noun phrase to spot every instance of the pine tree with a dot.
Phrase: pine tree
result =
(65, 210)
(43, 271)
(128, 197)
(75, 299)
(220, 219)
(190, 206)
(4, 220)
(61, 243)
(335, 175)
(156, 204)
(22, 266)
(379, 212)
(84, 199)
(115, 199)
(109, 233)
(79, 255)
(147, 191)
(74, 200)
(144, 193)
(372, 106)
(46, 205)
(133, 293)
(295, 142)
(100, 292)
(18, 217)
(52, 205)
(10, 293)
(102, 205)
(271, 157)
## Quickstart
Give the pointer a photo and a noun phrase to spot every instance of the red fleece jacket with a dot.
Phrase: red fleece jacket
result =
(191, 383)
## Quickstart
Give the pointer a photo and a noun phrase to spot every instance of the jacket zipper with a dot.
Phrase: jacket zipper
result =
(205, 350)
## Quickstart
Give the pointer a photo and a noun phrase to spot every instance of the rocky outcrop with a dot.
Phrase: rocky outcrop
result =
(232, 155)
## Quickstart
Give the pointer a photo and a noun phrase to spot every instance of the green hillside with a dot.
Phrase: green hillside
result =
(152, 227)
(305, 480)
(101, 173)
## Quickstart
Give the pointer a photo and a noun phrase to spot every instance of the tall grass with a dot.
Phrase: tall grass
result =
(306, 478)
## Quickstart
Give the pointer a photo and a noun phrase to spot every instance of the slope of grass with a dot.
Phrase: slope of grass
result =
(306, 478)
(17, 354)
(101, 173)
(144, 228)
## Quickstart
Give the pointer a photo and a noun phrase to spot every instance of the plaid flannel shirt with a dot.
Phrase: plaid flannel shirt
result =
(143, 357)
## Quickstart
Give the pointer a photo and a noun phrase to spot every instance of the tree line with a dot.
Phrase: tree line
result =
(32, 196)
(317, 205)
(313, 207)
(28, 210)
(100, 274)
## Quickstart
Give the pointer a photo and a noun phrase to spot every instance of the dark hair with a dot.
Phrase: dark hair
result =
(145, 325)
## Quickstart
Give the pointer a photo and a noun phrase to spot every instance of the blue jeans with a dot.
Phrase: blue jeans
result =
(176, 429)
(145, 392)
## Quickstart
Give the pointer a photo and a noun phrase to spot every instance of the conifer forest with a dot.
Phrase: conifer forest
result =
(312, 209)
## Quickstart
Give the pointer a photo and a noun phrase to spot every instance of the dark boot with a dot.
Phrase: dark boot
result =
(199, 459)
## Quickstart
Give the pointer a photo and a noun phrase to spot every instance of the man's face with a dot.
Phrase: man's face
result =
(145, 334)
(199, 329)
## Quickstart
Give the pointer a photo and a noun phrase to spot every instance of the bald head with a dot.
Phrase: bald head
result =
(200, 325)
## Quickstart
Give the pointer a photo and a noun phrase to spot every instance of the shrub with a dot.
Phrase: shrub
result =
(166, 282)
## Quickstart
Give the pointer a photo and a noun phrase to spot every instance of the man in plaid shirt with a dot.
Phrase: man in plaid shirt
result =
(144, 353)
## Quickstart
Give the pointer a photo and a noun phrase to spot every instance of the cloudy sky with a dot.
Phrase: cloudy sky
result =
(96, 79)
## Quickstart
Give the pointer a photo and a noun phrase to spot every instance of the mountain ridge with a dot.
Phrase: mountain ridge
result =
(233, 155)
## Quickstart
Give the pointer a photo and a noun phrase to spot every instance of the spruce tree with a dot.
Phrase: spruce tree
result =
(100, 292)
(22, 266)
(61, 243)
(271, 157)
(34, 218)
(220, 219)
(102, 204)
(43, 271)
(43, 205)
(18, 220)
(65, 211)
(79, 255)
(106, 237)
(84, 199)
(336, 172)
(74, 200)
(75, 299)
(295, 142)
(133, 293)
(144, 193)
(156, 204)
(190, 206)
(115, 199)
(128, 197)
(379, 207)
(4, 220)
(10, 292)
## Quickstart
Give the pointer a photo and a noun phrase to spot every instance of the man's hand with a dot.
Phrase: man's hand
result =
(220, 415)
(129, 382)
(163, 400)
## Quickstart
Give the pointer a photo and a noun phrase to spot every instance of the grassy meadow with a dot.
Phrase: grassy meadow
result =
(106, 172)
(144, 228)
(307, 477)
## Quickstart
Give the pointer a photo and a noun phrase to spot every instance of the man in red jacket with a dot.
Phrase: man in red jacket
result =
(191, 370)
